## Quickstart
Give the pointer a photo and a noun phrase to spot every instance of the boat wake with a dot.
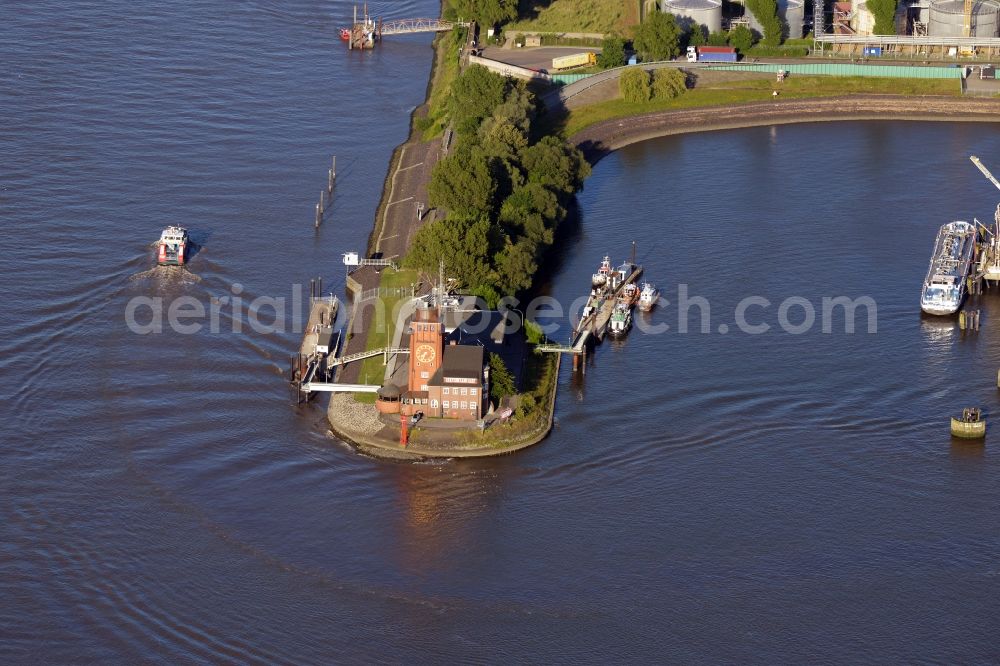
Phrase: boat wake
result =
(167, 274)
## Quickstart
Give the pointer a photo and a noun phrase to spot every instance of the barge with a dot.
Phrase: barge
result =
(945, 285)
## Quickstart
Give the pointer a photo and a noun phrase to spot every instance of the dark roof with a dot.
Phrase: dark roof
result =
(390, 391)
(463, 361)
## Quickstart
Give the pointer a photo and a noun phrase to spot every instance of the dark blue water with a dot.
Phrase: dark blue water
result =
(704, 497)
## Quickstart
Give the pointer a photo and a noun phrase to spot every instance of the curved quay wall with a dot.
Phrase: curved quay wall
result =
(603, 138)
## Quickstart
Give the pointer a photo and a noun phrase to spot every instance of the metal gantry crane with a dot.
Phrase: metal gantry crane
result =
(989, 264)
(982, 167)
(967, 32)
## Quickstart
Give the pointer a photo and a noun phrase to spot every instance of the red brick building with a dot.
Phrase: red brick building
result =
(444, 381)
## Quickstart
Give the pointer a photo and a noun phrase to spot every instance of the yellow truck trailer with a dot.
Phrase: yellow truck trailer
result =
(575, 60)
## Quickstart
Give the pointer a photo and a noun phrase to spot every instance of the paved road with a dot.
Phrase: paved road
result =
(534, 58)
(407, 185)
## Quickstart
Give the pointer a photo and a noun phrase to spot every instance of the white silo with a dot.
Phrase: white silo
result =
(704, 12)
(947, 18)
(793, 14)
(862, 21)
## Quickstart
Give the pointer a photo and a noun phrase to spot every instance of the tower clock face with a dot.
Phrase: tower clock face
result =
(425, 354)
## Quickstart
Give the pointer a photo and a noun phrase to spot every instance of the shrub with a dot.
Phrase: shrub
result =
(612, 52)
(634, 85)
(741, 38)
(718, 39)
(668, 83)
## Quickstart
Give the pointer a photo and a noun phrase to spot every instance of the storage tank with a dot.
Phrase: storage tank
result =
(793, 13)
(863, 21)
(947, 18)
(704, 12)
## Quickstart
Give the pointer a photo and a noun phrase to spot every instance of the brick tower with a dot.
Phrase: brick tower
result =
(426, 347)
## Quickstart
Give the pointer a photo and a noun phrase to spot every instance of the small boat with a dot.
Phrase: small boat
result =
(621, 320)
(345, 34)
(173, 245)
(944, 286)
(629, 295)
(603, 274)
(648, 296)
(971, 425)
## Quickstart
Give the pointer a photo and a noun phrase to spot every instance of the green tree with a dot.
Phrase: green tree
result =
(532, 212)
(516, 265)
(501, 379)
(884, 12)
(741, 38)
(766, 13)
(634, 85)
(464, 244)
(474, 95)
(554, 163)
(501, 138)
(464, 183)
(518, 108)
(612, 52)
(697, 36)
(658, 37)
(487, 12)
(668, 83)
(718, 39)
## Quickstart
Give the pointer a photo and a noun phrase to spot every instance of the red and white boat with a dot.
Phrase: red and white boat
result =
(600, 278)
(173, 246)
(345, 34)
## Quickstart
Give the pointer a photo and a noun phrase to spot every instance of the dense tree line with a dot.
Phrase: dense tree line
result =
(505, 193)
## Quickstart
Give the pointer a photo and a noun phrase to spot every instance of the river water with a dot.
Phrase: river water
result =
(704, 497)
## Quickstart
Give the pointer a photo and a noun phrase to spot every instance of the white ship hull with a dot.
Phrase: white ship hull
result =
(944, 287)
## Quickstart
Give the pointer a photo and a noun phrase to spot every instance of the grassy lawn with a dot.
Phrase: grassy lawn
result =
(372, 369)
(756, 90)
(578, 16)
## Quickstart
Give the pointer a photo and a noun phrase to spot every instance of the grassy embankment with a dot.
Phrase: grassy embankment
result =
(754, 90)
(602, 16)
(383, 328)
(446, 70)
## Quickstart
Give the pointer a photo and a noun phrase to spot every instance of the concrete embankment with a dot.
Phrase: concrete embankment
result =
(602, 138)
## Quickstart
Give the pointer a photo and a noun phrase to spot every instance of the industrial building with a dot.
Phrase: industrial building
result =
(924, 29)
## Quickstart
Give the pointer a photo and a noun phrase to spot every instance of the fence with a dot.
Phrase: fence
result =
(847, 69)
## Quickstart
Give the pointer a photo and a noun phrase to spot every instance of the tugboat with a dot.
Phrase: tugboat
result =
(944, 286)
(621, 320)
(173, 245)
(345, 34)
(648, 296)
(629, 295)
(603, 274)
